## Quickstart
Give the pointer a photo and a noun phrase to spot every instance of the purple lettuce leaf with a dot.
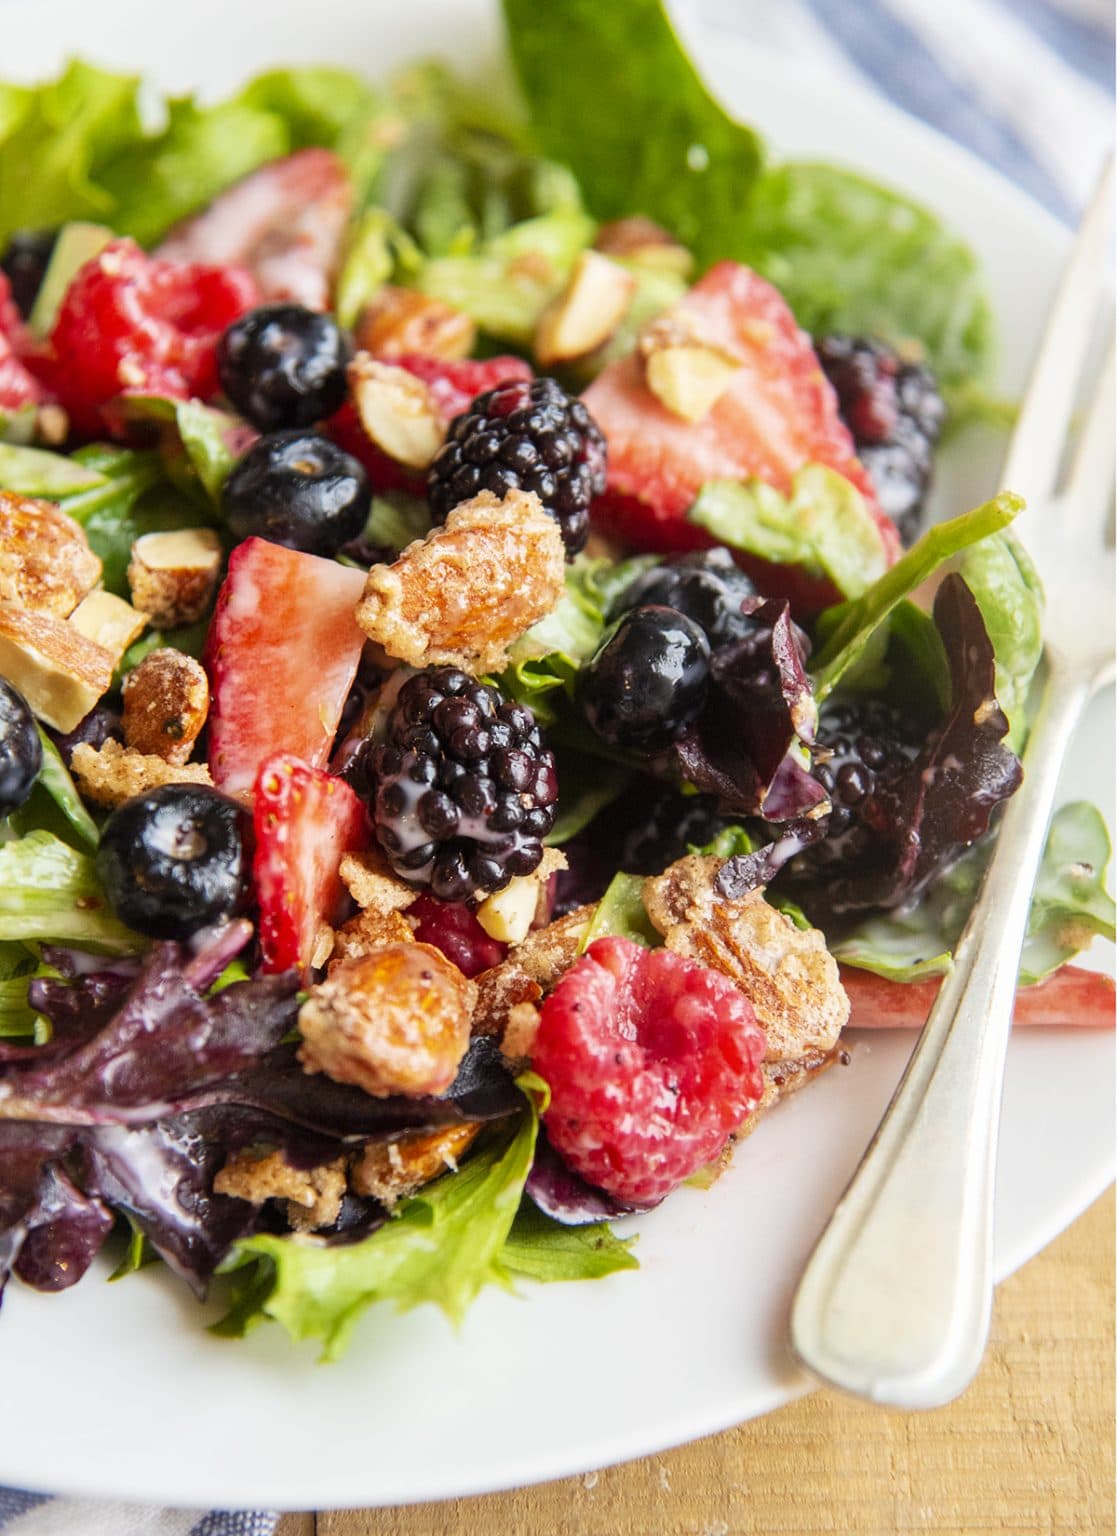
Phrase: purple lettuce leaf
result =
(564, 1195)
(64, 1232)
(759, 714)
(924, 818)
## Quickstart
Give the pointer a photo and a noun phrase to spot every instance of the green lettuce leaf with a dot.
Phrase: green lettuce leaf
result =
(50, 891)
(77, 243)
(589, 784)
(56, 141)
(55, 787)
(396, 520)
(851, 255)
(542, 1249)
(664, 148)
(443, 1247)
(35, 472)
(621, 914)
(576, 624)
(379, 248)
(1070, 907)
(823, 525)
(1003, 579)
(846, 630)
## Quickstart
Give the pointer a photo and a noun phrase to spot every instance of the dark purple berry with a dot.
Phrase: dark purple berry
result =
(21, 752)
(283, 366)
(463, 792)
(647, 680)
(524, 435)
(299, 489)
(707, 586)
(895, 413)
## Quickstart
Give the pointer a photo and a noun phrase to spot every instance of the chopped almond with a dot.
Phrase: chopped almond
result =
(586, 312)
(686, 373)
(58, 670)
(460, 596)
(507, 915)
(400, 321)
(395, 1020)
(111, 774)
(109, 622)
(173, 575)
(46, 564)
(501, 989)
(643, 241)
(389, 1170)
(166, 701)
(367, 931)
(396, 411)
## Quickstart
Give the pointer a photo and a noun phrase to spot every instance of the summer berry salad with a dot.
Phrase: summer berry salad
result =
(482, 711)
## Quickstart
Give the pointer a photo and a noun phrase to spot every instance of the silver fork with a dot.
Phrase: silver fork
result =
(895, 1302)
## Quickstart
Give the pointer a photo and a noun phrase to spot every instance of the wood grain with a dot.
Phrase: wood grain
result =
(1028, 1450)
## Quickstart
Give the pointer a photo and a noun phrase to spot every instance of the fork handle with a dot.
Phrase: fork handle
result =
(895, 1302)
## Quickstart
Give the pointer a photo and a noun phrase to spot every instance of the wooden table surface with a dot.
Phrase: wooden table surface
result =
(1028, 1450)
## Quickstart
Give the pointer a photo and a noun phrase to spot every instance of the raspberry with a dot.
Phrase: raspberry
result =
(527, 436)
(653, 1061)
(451, 927)
(464, 788)
(132, 323)
(895, 413)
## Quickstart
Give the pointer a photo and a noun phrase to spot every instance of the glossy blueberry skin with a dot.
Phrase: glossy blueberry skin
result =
(283, 366)
(708, 587)
(21, 752)
(174, 860)
(298, 489)
(647, 680)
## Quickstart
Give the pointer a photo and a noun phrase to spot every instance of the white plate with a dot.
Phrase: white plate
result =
(119, 1391)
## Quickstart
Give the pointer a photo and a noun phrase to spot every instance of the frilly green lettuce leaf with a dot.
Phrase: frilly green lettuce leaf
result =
(824, 525)
(542, 1249)
(50, 891)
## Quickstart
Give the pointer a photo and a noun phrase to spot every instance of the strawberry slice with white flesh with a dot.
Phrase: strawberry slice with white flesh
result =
(305, 821)
(1072, 998)
(285, 222)
(777, 413)
(281, 654)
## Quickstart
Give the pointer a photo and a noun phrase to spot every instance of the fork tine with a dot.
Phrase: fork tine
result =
(1089, 489)
(1035, 453)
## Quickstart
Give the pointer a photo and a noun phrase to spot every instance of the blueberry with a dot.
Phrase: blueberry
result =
(24, 263)
(173, 860)
(299, 489)
(647, 680)
(283, 366)
(21, 753)
(708, 587)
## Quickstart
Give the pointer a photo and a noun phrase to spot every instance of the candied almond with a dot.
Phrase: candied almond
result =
(108, 621)
(368, 931)
(46, 564)
(172, 575)
(547, 952)
(396, 411)
(787, 973)
(60, 672)
(460, 596)
(313, 1195)
(110, 774)
(395, 1020)
(587, 311)
(166, 701)
(500, 990)
(400, 321)
(389, 1170)
(368, 878)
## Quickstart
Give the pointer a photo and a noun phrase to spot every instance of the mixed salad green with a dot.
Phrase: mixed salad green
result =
(489, 210)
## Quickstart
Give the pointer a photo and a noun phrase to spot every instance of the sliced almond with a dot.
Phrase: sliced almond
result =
(396, 411)
(687, 374)
(643, 241)
(586, 312)
(400, 321)
(46, 564)
(60, 672)
(108, 621)
(173, 575)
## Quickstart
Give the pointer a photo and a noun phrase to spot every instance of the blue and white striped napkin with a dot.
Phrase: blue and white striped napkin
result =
(1027, 85)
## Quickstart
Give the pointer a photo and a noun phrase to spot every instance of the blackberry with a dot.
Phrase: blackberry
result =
(283, 366)
(24, 263)
(524, 435)
(670, 824)
(707, 586)
(647, 679)
(860, 748)
(895, 413)
(465, 791)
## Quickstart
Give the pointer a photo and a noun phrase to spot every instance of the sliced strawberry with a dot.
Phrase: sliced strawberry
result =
(282, 653)
(1072, 997)
(285, 223)
(778, 414)
(453, 386)
(305, 820)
